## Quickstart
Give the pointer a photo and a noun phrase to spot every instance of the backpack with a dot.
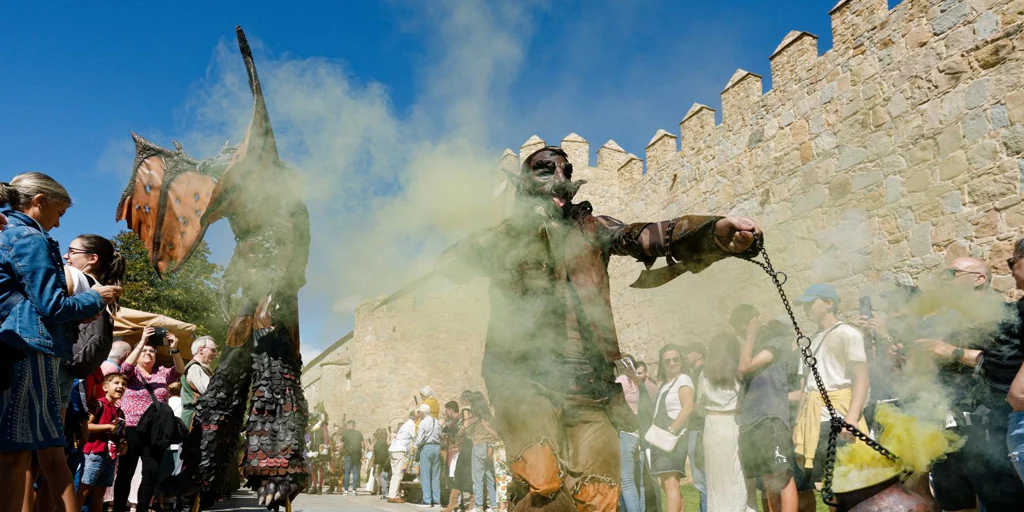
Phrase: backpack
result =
(158, 424)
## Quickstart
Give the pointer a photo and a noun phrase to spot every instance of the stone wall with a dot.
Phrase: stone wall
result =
(898, 149)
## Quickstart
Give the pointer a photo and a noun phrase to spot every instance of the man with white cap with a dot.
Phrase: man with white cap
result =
(428, 444)
(427, 395)
(399, 450)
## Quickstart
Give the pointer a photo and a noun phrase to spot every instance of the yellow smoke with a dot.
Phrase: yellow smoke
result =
(916, 443)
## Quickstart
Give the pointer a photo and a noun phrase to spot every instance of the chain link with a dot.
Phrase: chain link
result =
(837, 423)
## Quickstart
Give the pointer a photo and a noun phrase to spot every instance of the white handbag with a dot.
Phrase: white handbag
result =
(658, 437)
(662, 439)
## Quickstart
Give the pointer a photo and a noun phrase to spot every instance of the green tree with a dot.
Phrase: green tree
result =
(191, 294)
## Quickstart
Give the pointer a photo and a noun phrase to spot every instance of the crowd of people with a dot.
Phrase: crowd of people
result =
(749, 416)
(79, 410)
(454, 447)
(749, 424)
(738, 413)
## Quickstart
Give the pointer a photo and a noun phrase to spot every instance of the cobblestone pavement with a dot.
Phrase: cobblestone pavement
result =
(246, 501)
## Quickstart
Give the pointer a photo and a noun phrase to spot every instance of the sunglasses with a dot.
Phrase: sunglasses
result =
(672, 360)
(1012, 261)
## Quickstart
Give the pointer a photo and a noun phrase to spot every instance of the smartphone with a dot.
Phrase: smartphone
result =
(159, 337)
(865, 307)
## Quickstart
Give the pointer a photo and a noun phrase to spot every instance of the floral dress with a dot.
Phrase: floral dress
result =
(502, 476)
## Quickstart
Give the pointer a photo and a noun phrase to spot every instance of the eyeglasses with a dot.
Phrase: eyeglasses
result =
(73, 250)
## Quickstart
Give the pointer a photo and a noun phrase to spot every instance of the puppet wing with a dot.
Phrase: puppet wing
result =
(165, 199)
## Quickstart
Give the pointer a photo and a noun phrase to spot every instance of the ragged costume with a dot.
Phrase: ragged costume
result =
(170, 202)
(551, 345)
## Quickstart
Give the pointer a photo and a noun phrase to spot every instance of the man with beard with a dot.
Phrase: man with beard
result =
(551, 345)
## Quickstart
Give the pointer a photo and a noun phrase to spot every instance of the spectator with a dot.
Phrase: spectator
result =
(464, 462)
(352, 448)
(643, 374)
(842, 363)
(981, 471)
(35, 336)
(171, 463)
(765, 435)
(399, 451)
(197, 376)
(106, 442)
(673, 408)
(427, 395)
(652, 491)
(118, 353)
(631, 495)
(502, 475)
(381, 461)
(451, 441)
(144, 380)
(694, 354)
(92, 259)
(718, 397)
(483, 437)
(428, 444)
(1015, 395)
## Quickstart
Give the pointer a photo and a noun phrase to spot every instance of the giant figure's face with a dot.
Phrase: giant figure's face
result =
(547, 175)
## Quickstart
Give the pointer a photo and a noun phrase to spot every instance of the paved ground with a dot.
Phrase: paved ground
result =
(246, 501)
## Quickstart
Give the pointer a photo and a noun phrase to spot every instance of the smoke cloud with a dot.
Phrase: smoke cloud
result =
(386, 190)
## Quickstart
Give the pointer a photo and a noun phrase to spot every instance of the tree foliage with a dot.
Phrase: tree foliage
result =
(191, 294)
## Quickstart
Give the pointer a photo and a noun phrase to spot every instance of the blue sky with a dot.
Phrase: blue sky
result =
(77, 78)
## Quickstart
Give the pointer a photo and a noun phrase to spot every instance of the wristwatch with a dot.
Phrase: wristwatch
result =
(958, 355)
(175, 351)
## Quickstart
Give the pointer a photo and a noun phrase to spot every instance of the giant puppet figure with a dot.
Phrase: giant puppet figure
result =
(551, 347)
(170, 202)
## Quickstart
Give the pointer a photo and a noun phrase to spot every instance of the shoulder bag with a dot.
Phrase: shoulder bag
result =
(658, 437)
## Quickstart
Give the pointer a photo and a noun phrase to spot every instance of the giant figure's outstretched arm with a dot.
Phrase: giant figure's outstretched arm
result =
(688, 243)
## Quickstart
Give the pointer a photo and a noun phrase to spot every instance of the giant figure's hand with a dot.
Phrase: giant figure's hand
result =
(3, 221)
(735, 234)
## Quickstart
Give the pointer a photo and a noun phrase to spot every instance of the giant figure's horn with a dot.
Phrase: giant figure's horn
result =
(257, 154)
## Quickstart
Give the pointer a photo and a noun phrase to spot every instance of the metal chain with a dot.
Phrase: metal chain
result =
(837, 423)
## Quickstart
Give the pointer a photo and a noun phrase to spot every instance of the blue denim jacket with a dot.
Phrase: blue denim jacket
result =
(31, 264)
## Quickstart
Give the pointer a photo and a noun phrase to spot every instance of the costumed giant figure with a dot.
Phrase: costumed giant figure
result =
(170, 202)
(551, 346)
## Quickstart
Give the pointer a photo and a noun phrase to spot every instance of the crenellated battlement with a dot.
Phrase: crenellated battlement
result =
(813, 96)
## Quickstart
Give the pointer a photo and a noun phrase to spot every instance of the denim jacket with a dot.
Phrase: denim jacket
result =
(31, 265)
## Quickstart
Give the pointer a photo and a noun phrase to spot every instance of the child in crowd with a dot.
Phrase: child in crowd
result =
(106, 442)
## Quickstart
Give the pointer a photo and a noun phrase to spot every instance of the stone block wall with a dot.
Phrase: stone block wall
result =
(879, 160)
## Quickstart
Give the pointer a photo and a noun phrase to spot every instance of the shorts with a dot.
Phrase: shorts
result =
(766, 448)
(98, 470)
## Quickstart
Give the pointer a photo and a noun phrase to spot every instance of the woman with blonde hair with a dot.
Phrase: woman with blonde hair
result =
(38, 331)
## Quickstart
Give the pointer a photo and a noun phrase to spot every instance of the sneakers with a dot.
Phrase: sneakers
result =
(396, 500)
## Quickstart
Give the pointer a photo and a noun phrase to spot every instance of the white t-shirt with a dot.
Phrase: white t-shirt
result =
(836, 348)
(404, 437)
(198, 378)
(710, 398)
(672, 405)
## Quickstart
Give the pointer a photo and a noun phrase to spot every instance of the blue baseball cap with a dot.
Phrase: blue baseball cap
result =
(819, 291)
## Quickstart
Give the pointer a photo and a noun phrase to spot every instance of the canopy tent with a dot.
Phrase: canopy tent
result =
(129, 323)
